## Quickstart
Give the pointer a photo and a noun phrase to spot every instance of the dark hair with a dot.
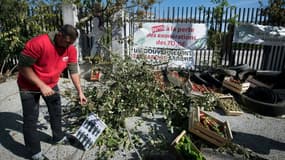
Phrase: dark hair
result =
(69, 30)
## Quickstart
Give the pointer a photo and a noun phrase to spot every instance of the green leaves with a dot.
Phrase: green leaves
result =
(207, 101)
(18, 23)
(131, 90)
(186, 149)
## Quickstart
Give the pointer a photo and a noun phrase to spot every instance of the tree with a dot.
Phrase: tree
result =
(217, 39)
(276, 17)
(20, 19)
(276, 12)
(11, 22)
(105, 11)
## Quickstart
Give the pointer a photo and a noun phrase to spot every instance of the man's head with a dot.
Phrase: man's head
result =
(66, 36)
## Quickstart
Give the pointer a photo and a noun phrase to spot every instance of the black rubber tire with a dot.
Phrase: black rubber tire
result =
(211, 79)
(240, 67)
(266, 109)
(197, 79)
(243, 75)
(230, 72)
(268, 77)
(262, 94)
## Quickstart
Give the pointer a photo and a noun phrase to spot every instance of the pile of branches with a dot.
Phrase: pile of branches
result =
(130, 89)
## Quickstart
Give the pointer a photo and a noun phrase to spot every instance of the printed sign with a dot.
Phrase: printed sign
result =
(259, 34)
(171, 35)
(169, 42)
(89, 131)
(176, 58)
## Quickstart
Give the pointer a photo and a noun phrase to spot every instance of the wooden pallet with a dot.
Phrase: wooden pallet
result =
(197, 128)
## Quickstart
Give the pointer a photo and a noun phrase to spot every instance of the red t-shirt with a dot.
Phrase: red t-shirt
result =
(50, 61)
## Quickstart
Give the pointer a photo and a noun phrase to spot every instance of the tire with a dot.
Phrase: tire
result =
(266, 109)
(230, 72)
(244, 74)
(211, 79)
(240, 67)
(197, 79)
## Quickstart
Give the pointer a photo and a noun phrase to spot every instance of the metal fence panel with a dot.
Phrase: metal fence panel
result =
(256, 56)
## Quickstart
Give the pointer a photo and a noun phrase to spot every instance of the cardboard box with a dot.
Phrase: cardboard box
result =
(197, 128)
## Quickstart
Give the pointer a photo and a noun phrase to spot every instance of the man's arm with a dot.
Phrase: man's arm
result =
(25, 69)
(75, 77)
(76, 82)
(30, 75)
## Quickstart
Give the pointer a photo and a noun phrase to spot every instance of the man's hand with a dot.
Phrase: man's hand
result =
(29, 73)
(76, 81)
(46, 90)
(82, 99)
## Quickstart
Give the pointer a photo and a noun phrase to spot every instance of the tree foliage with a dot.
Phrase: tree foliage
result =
(20, 19)
(276, 12)
(215, 35)
(11, 21)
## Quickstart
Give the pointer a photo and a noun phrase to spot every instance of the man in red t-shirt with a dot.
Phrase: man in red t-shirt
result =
(41, 63)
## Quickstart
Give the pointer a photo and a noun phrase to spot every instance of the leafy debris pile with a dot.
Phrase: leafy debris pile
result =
(131, 89)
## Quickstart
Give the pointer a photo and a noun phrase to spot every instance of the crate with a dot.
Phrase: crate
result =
(100, 70)
(197, 128)
(228, 112)
(238, 87)
(159, 79)
(95, 75)
(179, 156)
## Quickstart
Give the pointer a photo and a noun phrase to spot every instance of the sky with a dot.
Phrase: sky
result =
(208, 3)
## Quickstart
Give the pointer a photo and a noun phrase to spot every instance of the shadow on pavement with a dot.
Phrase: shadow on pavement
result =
(257, 143)
(11, 122)
(72, 140)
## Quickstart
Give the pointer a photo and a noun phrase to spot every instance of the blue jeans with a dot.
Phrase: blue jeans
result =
(30, 106)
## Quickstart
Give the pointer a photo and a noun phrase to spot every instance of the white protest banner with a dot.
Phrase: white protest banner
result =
(259, 34)
(176, 58)
(169, 42)
(171, 35)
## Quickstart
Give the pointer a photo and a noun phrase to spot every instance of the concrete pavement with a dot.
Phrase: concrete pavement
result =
(11, 137)
(264, 136)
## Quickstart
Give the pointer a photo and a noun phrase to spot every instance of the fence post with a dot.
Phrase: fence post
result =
(119, 34)
(69, 16)
(229, 44)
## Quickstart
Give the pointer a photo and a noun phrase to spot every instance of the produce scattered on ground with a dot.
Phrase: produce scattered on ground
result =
(186, 149)
(212, 124)
(229, 104)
